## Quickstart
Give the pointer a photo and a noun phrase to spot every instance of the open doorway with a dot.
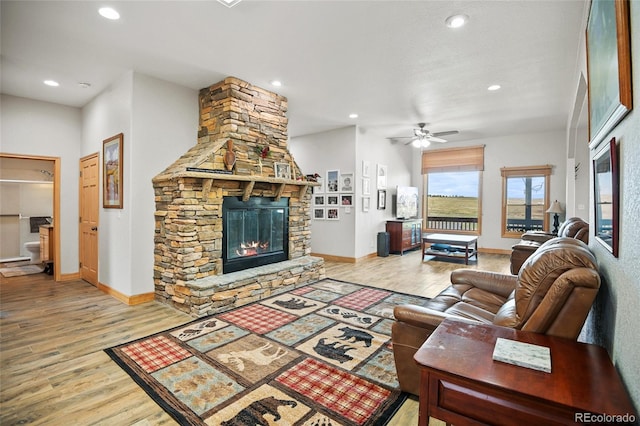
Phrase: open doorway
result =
(29, 198)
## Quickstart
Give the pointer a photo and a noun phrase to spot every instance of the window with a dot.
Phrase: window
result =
(453, 182)
(525, 199)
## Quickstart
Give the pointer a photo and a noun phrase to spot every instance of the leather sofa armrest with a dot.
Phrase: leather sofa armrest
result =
(500, 284)
(419, 316)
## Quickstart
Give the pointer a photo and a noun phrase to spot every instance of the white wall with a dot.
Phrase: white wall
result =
(106, 115)
(44, 129)
(613, 323)
(514, 151)
(354, 235)
(165, 126)
(159, 121)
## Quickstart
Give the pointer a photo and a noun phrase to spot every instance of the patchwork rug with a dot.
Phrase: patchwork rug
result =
(317, 355)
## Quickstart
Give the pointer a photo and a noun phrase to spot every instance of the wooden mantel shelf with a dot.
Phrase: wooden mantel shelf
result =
(250, 181)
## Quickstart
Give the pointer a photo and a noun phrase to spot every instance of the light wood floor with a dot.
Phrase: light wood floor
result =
(54, 370)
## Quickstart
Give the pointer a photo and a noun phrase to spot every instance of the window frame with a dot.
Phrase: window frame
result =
(458, 159)
(543, 171)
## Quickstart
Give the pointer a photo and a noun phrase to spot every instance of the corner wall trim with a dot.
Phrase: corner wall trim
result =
(136, 299)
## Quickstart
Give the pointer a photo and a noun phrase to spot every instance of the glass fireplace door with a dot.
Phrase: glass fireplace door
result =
(255, 233)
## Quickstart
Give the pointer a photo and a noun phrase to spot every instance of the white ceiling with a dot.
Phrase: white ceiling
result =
(395, 63)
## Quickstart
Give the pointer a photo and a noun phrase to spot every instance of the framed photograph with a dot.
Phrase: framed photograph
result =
(333, 177)
(332, 200)
(366, 167)
(606, 196)
(382, 199)
(333, 214)
(366, 204)
(346, 182)
(282, 170)
(318, 214)
(609, 66)
(112, 172)
(346, 200)
(320, 188)
(366, 186)
(381, 174)
(318, 200)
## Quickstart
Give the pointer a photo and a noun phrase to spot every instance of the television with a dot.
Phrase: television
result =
(407, 202)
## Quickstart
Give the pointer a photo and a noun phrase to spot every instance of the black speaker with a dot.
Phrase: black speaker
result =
(383, 244)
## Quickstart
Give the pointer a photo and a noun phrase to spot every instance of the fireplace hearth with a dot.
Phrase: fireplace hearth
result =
(255, 232)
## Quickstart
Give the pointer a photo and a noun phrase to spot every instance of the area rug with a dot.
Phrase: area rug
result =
(16, 271)
(316, 355)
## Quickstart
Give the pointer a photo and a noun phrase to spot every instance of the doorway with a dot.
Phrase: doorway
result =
(30, 189)
(89, 215)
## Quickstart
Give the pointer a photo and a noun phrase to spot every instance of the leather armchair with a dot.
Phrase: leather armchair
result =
(531, 240)
(552, 295)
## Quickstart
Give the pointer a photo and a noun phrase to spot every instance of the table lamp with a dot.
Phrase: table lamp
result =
(555, 208)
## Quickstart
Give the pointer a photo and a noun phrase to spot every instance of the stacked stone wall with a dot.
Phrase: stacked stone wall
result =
(237, 116)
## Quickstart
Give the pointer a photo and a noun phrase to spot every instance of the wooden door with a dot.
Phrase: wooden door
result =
(89, 208)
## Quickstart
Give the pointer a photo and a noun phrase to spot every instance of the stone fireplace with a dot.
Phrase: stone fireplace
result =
(228, 231)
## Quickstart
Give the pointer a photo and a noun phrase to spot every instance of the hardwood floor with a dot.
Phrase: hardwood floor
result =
(54, 370)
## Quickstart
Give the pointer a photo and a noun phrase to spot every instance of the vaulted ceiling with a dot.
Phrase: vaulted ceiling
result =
(394, 63)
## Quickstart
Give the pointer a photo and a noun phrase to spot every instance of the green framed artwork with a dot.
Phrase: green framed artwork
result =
(609, 66)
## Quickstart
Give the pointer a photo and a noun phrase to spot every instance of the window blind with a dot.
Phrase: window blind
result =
(526, 171)
(463, 159)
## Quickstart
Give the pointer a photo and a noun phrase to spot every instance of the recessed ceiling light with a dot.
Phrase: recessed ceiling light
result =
(276, 83)
(494, 87)
(51, 83)
(354, 115)
(456, 21)
(109, 13)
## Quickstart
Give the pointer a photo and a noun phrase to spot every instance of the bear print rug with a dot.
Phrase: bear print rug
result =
(319, 354)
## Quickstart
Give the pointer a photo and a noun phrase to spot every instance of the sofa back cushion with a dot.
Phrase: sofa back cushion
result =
(575, 228)
(540, 271)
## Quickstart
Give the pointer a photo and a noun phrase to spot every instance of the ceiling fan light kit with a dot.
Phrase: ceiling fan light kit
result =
(422, 137)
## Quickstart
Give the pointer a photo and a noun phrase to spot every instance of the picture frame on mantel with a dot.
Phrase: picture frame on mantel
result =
(112, 158)
(608, 67)
(607, 196)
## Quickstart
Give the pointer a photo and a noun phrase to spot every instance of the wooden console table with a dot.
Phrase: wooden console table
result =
(468, 243)
(460, 383)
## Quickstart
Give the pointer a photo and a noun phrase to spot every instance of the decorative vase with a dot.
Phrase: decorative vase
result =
(229, 156)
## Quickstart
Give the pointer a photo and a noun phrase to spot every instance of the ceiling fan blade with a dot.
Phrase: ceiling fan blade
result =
(434, 139)
(450, 132)
(411, 140)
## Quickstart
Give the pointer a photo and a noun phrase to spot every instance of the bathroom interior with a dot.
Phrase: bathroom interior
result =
(26, 202)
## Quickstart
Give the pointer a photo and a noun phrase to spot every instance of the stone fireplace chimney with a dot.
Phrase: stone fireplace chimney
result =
(241, 142)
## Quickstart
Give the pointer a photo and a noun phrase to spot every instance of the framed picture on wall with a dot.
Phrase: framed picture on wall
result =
(609, 66)
(366, 204)
(366, 167)
(346, 182)
(333, 177)
(318, 200)
(332, 200)
(381, 176)
(333, 214)
(320, 188)
(382, 199)
(606, 196)
(112, 172)
(346, 200)
(318, 214)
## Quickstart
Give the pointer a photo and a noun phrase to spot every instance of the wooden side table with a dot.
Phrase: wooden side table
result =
(461, 383)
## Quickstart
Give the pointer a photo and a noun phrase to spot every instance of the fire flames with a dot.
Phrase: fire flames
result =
(252, 248)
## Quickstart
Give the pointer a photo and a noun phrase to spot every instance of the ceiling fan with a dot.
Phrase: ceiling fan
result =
(423, 137)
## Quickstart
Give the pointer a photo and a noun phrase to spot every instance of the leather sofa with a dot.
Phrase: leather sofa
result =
(552, 295)
(531, 240)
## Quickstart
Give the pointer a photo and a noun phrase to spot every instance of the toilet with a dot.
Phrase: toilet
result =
(34, 250)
